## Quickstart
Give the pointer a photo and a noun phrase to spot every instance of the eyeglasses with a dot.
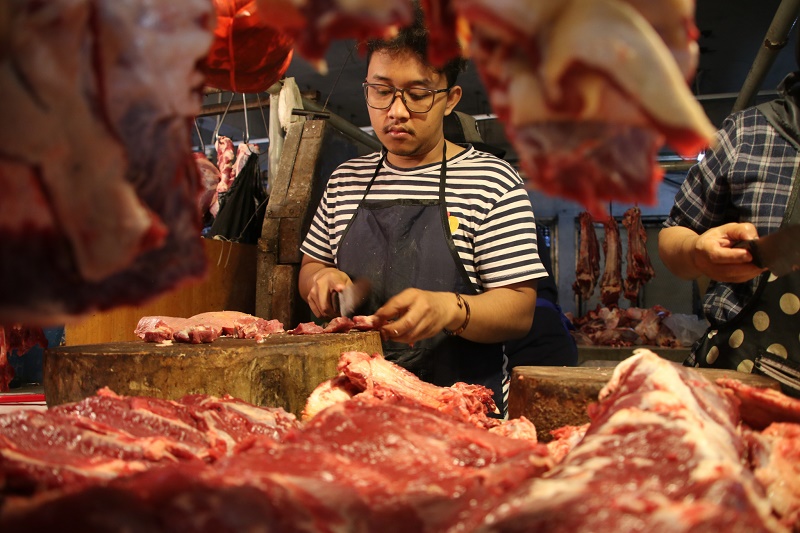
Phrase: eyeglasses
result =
(416, 100)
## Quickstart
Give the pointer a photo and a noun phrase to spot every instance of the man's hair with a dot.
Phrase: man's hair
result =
(414, 38)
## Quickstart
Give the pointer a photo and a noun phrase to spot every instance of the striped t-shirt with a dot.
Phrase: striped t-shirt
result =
(496, 233)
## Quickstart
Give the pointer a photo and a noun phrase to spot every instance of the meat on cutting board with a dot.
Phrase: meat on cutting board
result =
(611, 282)
(588, 260)
(205, 327)
(101, 93)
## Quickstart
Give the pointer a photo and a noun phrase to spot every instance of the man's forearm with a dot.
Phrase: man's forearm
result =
(676, 247)
(501, 314)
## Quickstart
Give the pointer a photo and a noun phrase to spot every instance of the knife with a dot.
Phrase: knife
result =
(352, 297)
(779, 252)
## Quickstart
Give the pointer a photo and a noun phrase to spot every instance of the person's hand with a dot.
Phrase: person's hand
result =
(324, 284)
(715, 256)
(415, 314)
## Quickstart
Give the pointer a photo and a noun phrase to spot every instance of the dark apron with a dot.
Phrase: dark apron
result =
(764, 337)
(400, 244)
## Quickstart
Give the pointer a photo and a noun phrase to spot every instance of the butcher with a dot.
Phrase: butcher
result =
(444, 233)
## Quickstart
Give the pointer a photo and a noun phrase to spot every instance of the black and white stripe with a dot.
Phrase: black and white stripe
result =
(496, 235)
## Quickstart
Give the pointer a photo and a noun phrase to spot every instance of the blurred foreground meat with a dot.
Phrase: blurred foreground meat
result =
(589, 90)
(99, 184)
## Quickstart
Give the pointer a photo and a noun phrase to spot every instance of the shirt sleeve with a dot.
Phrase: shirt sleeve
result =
(505, 244)
(703, 200)
(317, 243)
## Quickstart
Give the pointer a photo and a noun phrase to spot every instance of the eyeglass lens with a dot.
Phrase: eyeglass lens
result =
(417, 100)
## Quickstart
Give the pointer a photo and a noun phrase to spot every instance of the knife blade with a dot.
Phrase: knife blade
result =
(352, 297)
(779, 252)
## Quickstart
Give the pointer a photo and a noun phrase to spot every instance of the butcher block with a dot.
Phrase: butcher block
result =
(281, 371)
(553, 397)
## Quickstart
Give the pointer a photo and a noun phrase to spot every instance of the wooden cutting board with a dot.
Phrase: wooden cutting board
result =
(552, 397)
(280, 372)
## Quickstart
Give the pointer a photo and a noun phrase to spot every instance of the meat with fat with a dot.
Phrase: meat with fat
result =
(209, 179)
(588, 260)
(206, 327)
(639, 268)
(118, 80)
(306, 328)
(340, 324)
(611, 282)
(775, 459)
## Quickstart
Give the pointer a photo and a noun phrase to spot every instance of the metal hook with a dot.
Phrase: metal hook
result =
(246, 125)
(219, 122)
(199, 135)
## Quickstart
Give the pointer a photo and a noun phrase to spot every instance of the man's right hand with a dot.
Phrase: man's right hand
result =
(715, 256)
(318, 282)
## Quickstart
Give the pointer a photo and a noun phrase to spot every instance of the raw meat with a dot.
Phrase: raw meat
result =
(306, 328)
(209, 178)
(611, 282)
(762, 407)
(117, 80)
(225, 158)
(340, 324)
(588, 267)
(206, 327)
(775, 458)
(662, 454)
(367, 323)
(106, 436)
(605, 326)
(588, 91)
(363, 465)
(371, 375)
(639, 268)
(247, 56)
(564, 440)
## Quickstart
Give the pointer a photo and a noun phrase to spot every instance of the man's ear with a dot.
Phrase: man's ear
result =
(453, 98)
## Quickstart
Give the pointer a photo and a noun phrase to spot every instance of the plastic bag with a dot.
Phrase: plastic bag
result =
(686, 328)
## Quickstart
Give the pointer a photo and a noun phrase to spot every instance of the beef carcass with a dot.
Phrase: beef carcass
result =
(588, 90)
(662, 454)
(639, 268)
(100, 189)
(611, 282)
(225, 158)
(588, 260)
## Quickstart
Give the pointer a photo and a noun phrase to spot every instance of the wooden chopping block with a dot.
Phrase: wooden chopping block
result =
(552, 397)
(280, 372)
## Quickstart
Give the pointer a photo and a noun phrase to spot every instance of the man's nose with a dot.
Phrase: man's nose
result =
(398, 107)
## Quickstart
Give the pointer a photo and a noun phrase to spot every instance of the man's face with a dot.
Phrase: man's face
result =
(402, 132)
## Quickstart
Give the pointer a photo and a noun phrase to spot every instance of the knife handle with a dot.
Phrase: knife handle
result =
(751, 247)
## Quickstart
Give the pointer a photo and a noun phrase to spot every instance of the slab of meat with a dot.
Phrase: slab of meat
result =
(107, 436)
(360, 466)
(209, 178)
(639, 268)
(102, 93)
(371, 375)
(306, 328)
(225, 159)
(206, 327)
(16, 339)
(762, 407)
(775, 458)
(588, 261)
(611, 282)
(367, 323)
(340, 324)
(589, 90)
(662, 454)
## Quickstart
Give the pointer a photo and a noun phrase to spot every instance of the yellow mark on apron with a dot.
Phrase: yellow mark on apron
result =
(453, 224)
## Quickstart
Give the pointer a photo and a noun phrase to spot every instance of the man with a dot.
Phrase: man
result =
(745, 187)
(445, 234)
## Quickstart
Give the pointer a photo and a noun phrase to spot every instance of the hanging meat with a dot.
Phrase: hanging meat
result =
(588, 261)
(209, 179)
(588, 91)
(639, 269)
(247, 55)
(99, 183)
(611, 282)
(314, 24)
